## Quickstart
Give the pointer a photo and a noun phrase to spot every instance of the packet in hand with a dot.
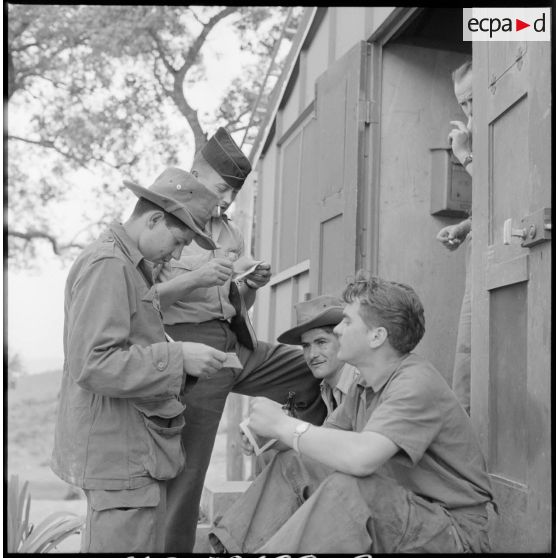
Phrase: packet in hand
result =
(259, 443)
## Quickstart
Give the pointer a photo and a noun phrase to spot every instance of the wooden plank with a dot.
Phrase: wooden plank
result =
(235, 457)
(289, 272)
(507, 272)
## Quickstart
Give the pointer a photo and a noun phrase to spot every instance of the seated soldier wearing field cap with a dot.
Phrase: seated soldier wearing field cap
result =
(396, 468)
(315, 320)
(201, 302)
(119, 415)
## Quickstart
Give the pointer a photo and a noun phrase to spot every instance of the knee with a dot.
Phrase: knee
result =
(287, 461)
(373, 486)
(341, 482)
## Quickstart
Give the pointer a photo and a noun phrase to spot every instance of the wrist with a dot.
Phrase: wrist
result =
(300, 428)
(284, 427)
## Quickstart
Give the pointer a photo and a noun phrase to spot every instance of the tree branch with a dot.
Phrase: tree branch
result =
(196, 17)
(49, 144)
(33, 234)
(178, 97)
(232, 123)
(166, 91)
(161, 52)
(194, 50)
(23, 47)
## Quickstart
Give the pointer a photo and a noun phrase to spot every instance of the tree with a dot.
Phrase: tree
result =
(103, 91)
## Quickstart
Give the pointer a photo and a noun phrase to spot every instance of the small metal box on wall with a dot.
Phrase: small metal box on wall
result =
(451, 188)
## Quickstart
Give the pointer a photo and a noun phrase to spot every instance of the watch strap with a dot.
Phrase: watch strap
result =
(300, 429)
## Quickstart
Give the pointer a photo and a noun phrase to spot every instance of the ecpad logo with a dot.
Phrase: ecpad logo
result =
(506, 24)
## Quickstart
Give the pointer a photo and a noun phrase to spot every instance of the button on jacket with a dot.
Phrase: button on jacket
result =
(119, 414)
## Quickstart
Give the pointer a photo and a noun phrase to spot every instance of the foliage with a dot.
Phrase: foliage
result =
(104, 92)
(15, 369)
(23, 537)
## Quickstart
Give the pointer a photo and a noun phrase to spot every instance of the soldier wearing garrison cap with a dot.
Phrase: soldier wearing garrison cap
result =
(119, 415)
(201, 301)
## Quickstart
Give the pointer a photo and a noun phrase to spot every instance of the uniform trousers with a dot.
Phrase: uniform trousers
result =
(125, 520)
(461, 379)
(271, 370)
(298, 505)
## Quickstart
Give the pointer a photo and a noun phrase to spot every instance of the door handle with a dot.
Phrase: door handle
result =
(536, 228)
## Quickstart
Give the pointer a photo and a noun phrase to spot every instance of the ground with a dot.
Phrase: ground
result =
(31, 412)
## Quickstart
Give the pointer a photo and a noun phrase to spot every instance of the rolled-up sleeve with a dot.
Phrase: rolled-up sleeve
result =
(102, 355)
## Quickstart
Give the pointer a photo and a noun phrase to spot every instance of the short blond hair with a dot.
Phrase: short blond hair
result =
(462, 71)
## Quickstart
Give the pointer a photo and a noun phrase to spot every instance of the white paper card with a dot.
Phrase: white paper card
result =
(232, 361)
(256, 440)
(244, 266)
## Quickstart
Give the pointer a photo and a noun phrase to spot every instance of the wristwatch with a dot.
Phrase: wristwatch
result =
(299, 430)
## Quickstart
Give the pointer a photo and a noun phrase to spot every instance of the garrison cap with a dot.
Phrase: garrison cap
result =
(222, 153)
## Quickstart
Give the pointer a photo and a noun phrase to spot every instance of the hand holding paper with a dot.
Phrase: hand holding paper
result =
(232, 361)
(259, 443)
(244, 266)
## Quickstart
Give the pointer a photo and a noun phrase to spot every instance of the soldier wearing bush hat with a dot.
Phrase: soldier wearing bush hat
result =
(202, 302)
(119, 413)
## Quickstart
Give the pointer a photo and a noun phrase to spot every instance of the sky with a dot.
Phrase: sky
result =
(34, 300)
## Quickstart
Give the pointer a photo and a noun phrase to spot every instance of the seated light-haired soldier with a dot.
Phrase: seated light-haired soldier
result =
(396, 468)
(315, 320)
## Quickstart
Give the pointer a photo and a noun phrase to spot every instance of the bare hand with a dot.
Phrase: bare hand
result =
(201, 361)
(453, 235)
(245, 445)
(214, 273)
(260, 276)
(460, 139)
(265, 416)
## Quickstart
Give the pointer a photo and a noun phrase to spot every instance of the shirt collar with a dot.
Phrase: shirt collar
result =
(346, 379)
(383, 378)
(348, 375)
(128, 246)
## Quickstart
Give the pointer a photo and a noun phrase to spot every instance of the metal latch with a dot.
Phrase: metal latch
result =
(535, 228)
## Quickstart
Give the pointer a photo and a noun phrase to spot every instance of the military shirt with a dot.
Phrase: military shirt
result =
(439, 456)
(333, 397)
(204, 303)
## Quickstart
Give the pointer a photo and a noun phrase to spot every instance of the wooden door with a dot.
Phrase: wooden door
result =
(511, 322)
(341, 112)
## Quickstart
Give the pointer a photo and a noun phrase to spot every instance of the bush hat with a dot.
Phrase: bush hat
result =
(177, 192)
(324, 310)
(226, 158)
